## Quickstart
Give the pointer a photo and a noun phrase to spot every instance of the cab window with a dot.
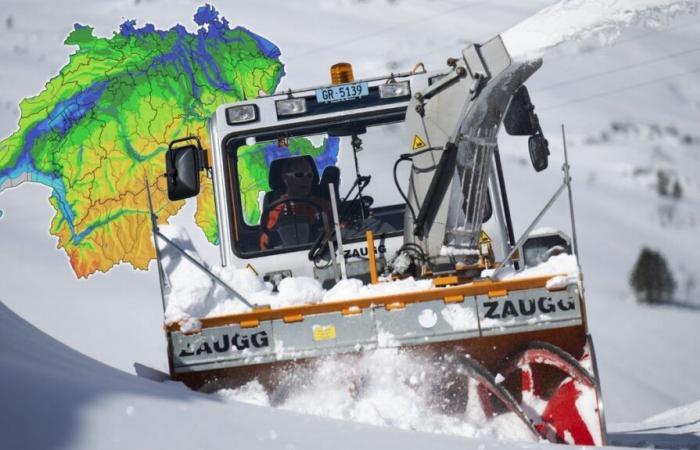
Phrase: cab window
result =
(281, 195)
(254, 162)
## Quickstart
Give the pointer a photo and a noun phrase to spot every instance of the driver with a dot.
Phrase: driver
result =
(298, 178)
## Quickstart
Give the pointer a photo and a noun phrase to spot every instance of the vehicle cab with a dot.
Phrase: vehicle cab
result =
(287, 167)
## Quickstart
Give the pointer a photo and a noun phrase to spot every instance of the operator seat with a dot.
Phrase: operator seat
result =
(331, 174)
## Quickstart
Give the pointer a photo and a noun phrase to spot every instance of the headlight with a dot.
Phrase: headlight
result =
(392, 90)
(291, 106)
(241, 114)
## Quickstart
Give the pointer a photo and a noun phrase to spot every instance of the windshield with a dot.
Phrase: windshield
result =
(283, 197)
(255, 160)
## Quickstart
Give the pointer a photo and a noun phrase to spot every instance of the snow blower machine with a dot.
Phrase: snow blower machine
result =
(383, 180)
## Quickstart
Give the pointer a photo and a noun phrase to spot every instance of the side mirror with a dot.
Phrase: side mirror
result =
(520, 119)
(539, 152)
(182, 165)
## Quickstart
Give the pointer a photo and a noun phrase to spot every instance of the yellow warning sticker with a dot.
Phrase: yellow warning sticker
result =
(323, 332)
(484, 238)
(417, 143)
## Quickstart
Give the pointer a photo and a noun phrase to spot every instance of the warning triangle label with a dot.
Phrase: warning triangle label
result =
(484, 238)
(417, 143)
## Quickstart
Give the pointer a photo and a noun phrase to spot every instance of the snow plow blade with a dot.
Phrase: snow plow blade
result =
(533, 337)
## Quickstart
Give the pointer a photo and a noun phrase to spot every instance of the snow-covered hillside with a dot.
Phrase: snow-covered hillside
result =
(631, 110)
(55, 397)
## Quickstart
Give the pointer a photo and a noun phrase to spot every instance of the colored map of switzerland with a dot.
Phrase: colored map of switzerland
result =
(100, 128)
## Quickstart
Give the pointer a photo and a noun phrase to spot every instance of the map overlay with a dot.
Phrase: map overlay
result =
(99, 129)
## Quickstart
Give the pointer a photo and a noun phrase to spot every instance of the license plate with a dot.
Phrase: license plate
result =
(342, 92)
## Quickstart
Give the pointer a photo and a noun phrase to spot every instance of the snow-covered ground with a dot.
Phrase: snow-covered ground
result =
(55, 397)
(631, 110)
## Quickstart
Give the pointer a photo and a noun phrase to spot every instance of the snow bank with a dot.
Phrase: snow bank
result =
(570, 20)
(193, 294)
(685, 414)
(54, 397)
(188, 287)
(563, 264)
(676, 428)
(353, 288)
(561, 281)
(297, 291)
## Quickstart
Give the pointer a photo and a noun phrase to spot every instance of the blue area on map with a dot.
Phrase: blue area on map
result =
(207, 37)
(328, 156)
(128, 29)
(266, 47)
(68, 112)
(64, 115)
(209, 67)
(78, 27)
(25, 165)
(60, 120)
(206, 14)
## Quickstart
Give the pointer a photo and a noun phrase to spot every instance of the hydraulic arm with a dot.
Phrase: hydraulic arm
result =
(454, 125)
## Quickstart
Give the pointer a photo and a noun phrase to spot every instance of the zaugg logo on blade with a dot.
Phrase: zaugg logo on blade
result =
(503, 309)
(226, 343)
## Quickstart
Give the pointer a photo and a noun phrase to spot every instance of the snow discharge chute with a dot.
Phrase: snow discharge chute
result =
(459, 117)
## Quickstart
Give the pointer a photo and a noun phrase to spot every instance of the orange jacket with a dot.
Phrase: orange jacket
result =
(298, 208)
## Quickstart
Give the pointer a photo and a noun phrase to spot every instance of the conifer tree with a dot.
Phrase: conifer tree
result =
(651, 279)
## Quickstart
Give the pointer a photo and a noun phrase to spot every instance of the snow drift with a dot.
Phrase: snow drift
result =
(56, 398)
(574, 20)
